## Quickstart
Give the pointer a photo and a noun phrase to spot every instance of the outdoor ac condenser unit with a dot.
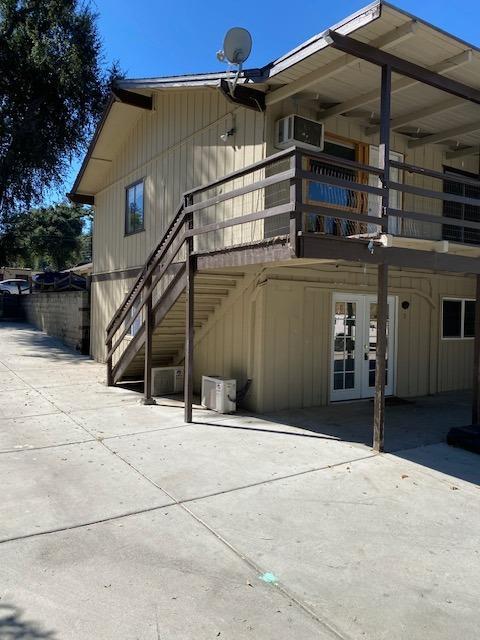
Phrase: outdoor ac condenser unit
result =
(298, 131)
(219, 394)
(167, 380)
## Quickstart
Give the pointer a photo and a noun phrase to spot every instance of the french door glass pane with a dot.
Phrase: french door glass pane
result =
(344, 345)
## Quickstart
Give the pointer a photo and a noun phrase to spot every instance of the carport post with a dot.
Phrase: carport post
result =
(382, 285)
(476, 360)
(189, 317)
(147, 387)
(381, 352)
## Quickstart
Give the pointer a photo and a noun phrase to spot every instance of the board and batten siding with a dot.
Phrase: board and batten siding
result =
(279, 333)
(173, 148)
(277, 330)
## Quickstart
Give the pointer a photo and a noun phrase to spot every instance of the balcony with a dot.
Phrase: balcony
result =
(327, 206)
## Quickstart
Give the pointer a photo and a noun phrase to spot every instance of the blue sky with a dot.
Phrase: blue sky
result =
(163, 37)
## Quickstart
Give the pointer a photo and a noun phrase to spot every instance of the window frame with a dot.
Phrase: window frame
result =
(462, 319)
(127, 212)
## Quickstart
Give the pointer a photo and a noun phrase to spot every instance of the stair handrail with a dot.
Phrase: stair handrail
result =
(145, 276)
(143, 273)
(146, 271)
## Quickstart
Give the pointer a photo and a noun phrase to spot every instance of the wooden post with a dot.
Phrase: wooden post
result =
(147, 387)
(381, 352)
(384, 147)
(189, 318)
(109, 365)
(476, 361)
(382, 284)
(296, 202)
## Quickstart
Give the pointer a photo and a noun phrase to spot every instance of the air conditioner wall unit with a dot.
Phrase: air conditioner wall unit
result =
(295, 130)
(167, 380)
(219, 394)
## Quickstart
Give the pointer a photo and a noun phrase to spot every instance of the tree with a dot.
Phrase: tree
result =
(52, 91)
(45, 237)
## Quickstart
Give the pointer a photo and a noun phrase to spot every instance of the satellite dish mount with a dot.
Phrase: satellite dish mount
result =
(237, 46)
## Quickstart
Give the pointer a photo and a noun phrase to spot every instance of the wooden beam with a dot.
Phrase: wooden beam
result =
(445, 135)
(244, 95)
(461, 153)
(320, 247)
(383, 42)
(404, 67)
(189, 319)
(476, 360)
(398, 85)
(419, 114)
(274, 250)
(147, 378)
(384, 147)
(133, 99)
(81, 198)
(380, 357)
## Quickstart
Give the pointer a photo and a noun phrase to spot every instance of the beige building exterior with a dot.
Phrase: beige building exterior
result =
(277, 321)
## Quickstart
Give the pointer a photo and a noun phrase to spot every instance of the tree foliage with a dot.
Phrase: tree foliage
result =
(52, 91)
(45, 237)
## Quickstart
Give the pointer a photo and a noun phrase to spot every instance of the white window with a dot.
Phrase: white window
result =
(458, 318)
(134, 213)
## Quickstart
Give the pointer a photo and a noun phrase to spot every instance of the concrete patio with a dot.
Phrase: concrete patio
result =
(119, 521)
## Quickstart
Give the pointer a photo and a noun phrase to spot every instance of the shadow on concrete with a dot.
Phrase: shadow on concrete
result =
(28, 336)
(408, 424)
(411, 428)
(13, 626)
(446, 459)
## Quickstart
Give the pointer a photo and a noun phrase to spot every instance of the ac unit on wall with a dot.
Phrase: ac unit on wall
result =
(298, 131)
(219, 394)
(167, 380)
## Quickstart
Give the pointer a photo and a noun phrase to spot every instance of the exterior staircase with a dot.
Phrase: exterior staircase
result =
(212, 291)
(172, 300)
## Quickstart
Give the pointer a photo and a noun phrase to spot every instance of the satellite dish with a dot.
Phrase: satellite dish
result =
(237, 46)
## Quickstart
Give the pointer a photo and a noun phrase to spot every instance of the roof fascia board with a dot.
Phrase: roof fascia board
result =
(353, 22)
(91, 146)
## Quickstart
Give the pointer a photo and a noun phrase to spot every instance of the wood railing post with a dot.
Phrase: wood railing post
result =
(189, 317)
(476, 360)
(147, 378)
(109, 364)
(381, 354)
(296, 198)
(384, 147)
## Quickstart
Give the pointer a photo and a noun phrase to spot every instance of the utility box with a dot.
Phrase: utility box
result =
(219, 394)
(167, 380)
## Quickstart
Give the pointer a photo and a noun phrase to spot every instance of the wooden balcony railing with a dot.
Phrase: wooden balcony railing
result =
(294, 193)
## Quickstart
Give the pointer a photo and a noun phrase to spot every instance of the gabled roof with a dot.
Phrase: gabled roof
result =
(318, 70)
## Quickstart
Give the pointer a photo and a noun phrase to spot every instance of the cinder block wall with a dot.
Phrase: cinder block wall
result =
(65, 315)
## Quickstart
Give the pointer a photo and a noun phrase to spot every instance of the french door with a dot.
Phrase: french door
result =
(354, 344)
